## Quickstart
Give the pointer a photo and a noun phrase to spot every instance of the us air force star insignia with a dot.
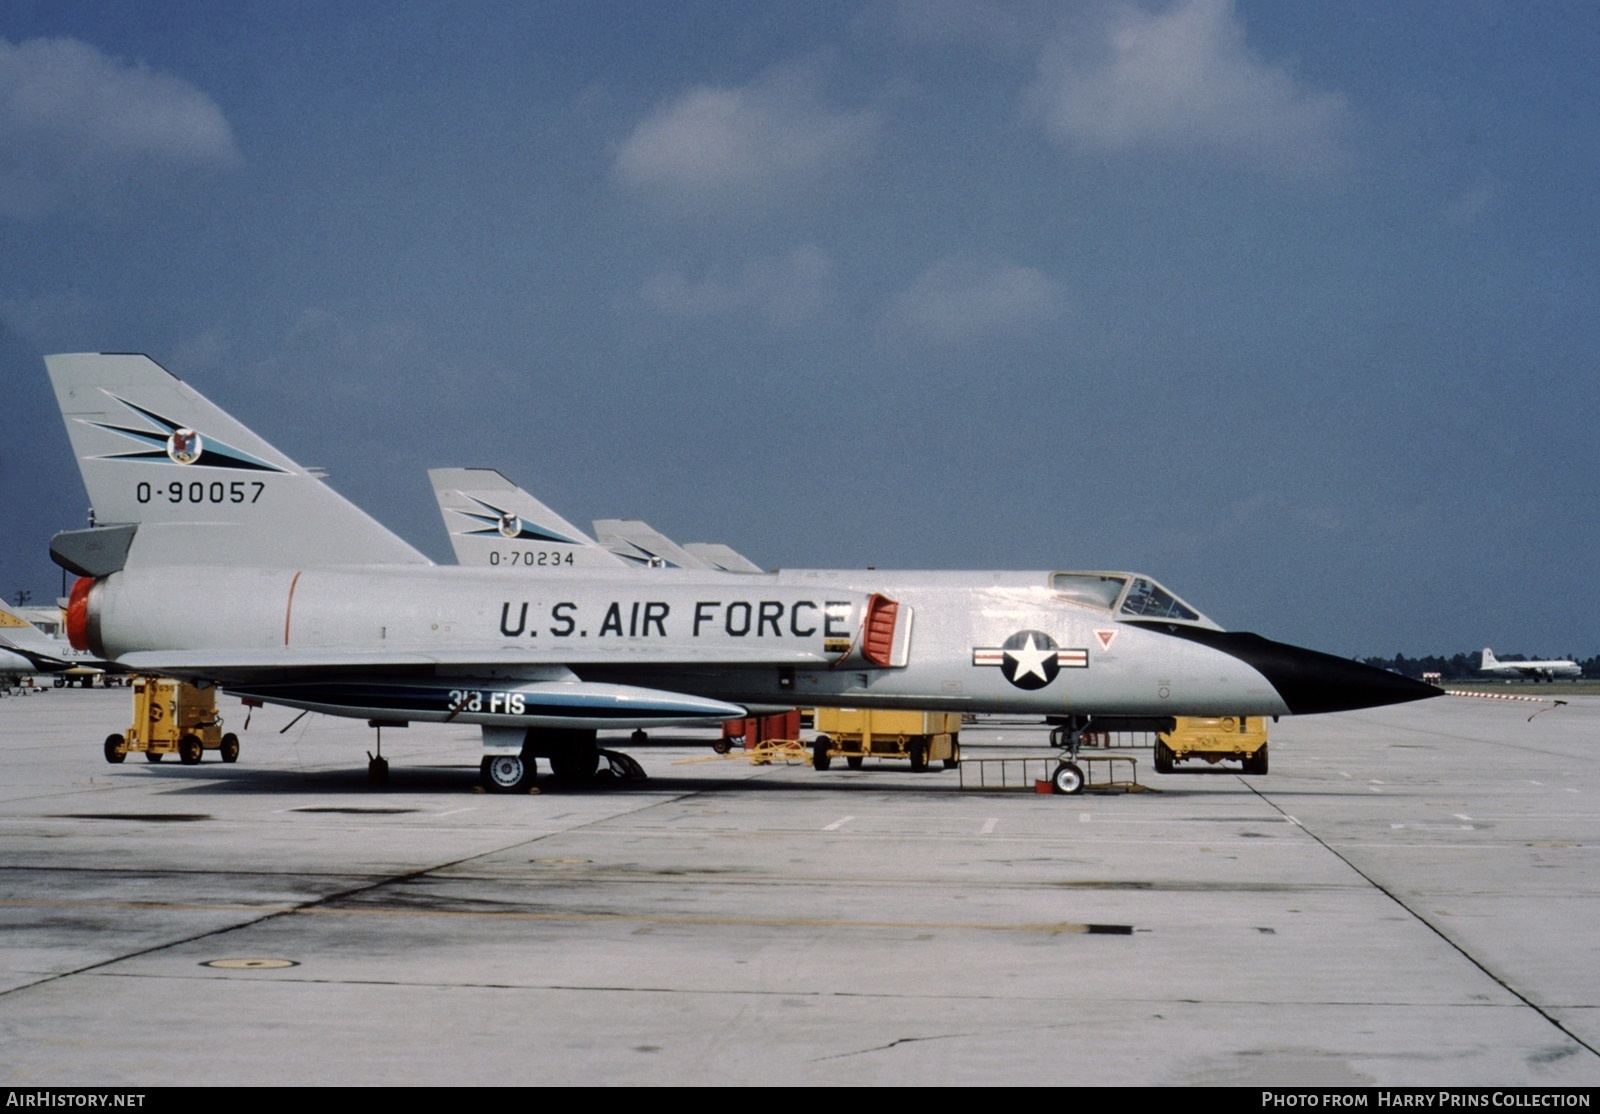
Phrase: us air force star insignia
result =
(1031, 659)
(510, 525)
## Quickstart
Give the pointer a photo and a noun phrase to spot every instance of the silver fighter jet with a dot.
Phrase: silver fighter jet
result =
(222, 561)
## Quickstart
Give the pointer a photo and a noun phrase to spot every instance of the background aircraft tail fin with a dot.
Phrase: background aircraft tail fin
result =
(197, 487)
(17, 633)
(1488, 660)
(721, 556)
(639, 543)
(493, 521)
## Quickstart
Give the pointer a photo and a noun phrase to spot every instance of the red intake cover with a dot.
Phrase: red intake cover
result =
(78, 613)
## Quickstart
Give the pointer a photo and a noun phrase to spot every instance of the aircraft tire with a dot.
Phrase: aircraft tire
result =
(190, 750)
(1068, 779)
(820, 759)
(116, 749)
(623, 766)
(577, 762)
(506, 773)
(230, 747)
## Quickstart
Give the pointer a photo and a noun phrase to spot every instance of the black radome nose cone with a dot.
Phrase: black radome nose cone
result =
(1310, 681)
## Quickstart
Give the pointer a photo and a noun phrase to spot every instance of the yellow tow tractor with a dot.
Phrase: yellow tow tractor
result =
(1214, 739)
(857, 733)
(172, 716)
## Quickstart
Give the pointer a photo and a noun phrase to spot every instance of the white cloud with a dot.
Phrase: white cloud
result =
(784, 291)
(715, 146)
(1184, 79)
(962, 298)
(75, 123)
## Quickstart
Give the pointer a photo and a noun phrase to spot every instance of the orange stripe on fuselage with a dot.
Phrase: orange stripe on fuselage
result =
(288, 608)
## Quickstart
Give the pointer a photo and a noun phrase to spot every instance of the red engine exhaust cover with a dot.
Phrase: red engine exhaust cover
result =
(78, 613)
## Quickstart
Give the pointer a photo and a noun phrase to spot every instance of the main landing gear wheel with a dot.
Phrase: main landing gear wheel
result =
(623, 766)
(577, 762)
(377, 769)
(190, 749)
(230, 747)
(1068, 778)
(507, 773)
(116, 749)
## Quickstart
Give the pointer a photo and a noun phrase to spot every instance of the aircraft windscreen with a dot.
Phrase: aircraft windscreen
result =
(1090, 588)
(1149, 600)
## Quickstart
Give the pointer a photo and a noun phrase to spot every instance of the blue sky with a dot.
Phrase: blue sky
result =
(1291, 306)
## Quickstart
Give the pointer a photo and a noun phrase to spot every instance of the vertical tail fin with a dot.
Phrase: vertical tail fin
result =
(1488, 661)
(493, 521)
(197, 486)
(24, 648)
(721, 556)
(639, 543)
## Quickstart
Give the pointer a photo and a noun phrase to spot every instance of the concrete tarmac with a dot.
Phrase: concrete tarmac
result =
(1409, 898)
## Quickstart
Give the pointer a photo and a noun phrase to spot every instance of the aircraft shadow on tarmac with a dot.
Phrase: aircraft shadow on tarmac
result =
(462, 780)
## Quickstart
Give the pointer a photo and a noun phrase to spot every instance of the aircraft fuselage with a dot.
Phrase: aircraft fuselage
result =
(979, 642)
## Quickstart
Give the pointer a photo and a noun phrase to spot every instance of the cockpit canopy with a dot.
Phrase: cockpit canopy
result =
(1126, 595)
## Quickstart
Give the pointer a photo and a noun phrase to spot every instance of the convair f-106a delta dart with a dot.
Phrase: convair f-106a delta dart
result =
(220, 561)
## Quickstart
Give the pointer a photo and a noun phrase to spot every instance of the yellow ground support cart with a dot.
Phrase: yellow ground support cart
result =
(855, 733)
(1215, 740)
(171, 716)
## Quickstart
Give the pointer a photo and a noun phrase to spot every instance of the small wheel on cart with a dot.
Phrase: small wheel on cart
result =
(1162, 757)
(1256, 763)
(919, 756)
(230, 747)
(154, 755)
(820, 759)
(854, 761)
(955, 756)
(190, 750)
(116, 749)
(722, 746)
(1068, 778)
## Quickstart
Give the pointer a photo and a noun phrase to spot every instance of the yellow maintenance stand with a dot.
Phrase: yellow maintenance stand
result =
(1214, 739)
(171, 716)
(855, 733)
